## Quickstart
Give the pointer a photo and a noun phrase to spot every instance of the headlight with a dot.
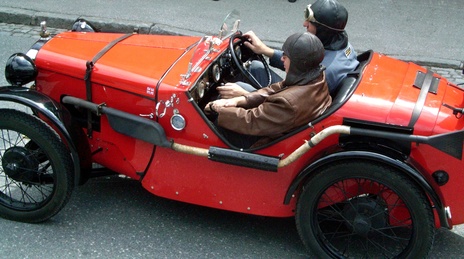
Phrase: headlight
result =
(20, 69)
(82, 25)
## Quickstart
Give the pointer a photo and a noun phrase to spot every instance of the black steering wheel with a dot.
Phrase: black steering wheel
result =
(240, 64)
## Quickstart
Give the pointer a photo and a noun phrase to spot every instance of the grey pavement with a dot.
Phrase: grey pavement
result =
(452, 74)
(428, 32)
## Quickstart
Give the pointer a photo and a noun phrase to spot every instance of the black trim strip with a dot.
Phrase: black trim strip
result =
(235, 157)
(425, 86)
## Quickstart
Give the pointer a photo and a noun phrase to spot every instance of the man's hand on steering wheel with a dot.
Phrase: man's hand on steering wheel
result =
(256, 45)
(243, 41)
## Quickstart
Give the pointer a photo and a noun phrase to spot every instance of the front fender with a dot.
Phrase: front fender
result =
(49, 108)
(379, 158)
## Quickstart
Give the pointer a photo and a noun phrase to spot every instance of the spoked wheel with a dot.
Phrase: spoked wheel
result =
(364, 210)
(36, 173)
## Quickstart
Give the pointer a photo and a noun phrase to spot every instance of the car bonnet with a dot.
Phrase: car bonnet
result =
(130, 65)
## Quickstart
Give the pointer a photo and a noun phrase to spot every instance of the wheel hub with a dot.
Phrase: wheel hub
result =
(364, 214)
(361, 225)
(20, 164)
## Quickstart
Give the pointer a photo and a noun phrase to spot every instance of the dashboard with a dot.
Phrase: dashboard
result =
(219, 72)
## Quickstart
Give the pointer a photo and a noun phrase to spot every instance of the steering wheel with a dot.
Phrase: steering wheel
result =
(241, 64)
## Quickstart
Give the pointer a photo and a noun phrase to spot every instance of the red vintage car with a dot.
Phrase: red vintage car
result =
(374, 176)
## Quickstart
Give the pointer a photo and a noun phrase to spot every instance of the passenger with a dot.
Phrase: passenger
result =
(327, 20)
(273, 111)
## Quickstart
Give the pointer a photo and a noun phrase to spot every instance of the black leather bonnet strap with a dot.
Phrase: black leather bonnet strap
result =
(88, 74)
(427, 83)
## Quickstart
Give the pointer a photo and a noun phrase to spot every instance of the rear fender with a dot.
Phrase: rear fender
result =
(51, 110)
(378, 158)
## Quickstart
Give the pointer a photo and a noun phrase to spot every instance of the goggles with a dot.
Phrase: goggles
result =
(309, 16)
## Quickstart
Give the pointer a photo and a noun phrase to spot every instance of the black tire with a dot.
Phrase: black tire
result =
(364, 210)
(36, 172)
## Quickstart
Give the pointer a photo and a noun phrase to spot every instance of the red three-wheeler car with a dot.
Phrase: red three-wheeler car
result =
(373, 176)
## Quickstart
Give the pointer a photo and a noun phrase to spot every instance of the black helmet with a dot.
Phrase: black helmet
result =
(329, 13)
(330, 18)
(306, 53)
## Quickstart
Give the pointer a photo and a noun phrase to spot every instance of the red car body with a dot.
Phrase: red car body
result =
(387, 112)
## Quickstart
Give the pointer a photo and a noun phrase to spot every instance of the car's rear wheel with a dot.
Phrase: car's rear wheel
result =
(36, 173)
(365, 210)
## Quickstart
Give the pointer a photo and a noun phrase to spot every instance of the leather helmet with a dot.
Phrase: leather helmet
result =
(330, 13)
(305, 52)
(330, 18)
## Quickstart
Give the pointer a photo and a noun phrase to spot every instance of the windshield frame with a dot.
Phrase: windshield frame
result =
(207, 44)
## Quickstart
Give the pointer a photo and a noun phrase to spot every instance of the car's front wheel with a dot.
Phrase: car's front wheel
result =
(36, 173)
(364, 210)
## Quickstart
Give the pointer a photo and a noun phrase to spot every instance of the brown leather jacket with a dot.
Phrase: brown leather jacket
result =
(274, 110)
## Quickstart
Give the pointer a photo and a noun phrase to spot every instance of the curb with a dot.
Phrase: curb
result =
(65, 21)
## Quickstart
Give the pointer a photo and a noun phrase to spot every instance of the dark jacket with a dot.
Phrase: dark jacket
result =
(273, 111)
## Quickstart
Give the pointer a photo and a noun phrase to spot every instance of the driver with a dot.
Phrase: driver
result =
(327, 20)
(272, 111)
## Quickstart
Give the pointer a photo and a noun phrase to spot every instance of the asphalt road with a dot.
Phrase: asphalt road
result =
(114, 217)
